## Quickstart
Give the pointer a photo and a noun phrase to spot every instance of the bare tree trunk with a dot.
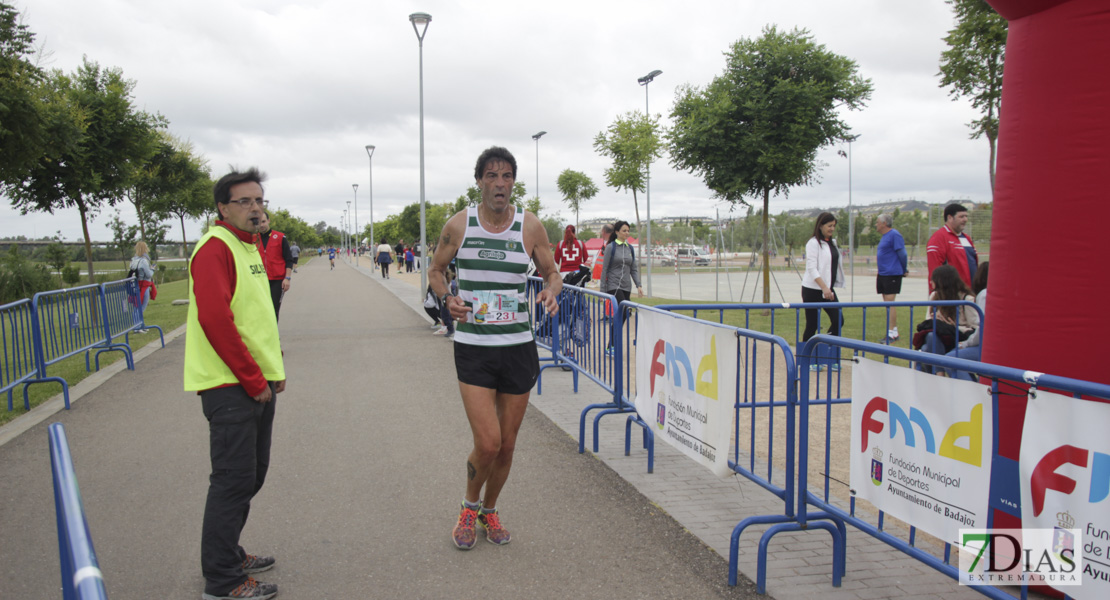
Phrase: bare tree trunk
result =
(639, 230)
(184, 251)
(766, 254)
(88, 241)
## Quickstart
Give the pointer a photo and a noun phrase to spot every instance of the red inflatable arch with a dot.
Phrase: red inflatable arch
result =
(1049, 302)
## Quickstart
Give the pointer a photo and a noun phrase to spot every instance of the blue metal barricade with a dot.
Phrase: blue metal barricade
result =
(840, 512)
(123, 315)
(69, 322)
(81, 577)
(19, 362)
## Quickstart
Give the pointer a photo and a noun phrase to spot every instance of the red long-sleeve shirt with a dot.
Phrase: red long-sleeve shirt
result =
(213, 271)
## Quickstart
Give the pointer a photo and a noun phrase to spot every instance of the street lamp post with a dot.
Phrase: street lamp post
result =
(644, 81)
(851, 224)
(537, 138)
(354, 186)
(420, 26)
(349, 244)
(370, 154)
(342, 233)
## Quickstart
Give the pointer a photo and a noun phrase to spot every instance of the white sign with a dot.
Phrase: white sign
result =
(921, 447)
(1065, 480)
(686, 385)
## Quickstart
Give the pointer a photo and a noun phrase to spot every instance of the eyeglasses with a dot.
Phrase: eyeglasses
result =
(246, 202)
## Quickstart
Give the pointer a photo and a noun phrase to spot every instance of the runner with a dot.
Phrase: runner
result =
(495, 354)
(331, 257)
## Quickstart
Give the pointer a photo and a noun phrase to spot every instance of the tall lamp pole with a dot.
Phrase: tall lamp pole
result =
(851, 222)
(342, 233)
(370, 154)
(354, 186)
(537, 138)
(644, 81)
(420, 26)
(350, 245)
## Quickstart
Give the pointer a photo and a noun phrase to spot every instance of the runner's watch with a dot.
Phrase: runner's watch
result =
(443, 299)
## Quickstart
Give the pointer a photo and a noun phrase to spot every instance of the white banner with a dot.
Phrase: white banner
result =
(686, 385)
(1065, 481)
(921, 447)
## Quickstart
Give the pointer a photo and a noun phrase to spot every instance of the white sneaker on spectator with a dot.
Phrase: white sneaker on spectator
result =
(440, 331)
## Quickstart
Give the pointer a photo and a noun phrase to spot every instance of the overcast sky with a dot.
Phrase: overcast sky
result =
(298, 88)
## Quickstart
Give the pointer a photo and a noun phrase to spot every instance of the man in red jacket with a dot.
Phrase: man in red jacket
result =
(274, 247)
(233, 361)
(951, 246)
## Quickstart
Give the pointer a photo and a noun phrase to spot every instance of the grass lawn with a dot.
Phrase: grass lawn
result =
(159, 312)
(790, 323)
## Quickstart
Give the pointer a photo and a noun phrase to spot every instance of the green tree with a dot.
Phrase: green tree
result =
(123, 237)
(22, 120)
(756, 129)
(633, 142)
(57, 257)
(97, 139)
(171, 167)
(295, 228)
(971, 67)
(190, 197)
(575, 187)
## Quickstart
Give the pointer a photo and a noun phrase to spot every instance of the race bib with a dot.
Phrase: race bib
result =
(494, 307)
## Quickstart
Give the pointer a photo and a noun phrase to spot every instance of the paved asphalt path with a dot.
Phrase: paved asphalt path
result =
(365, 481)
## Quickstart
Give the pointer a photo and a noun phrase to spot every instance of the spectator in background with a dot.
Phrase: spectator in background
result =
(295, 250)
(620, 270)
(278, 258)
(144, 276)
(893, 266)
(409, 258)
(972, 348)
(951, 246)
(384, 258)
(399, 250)
(824, 272)
(953, 323)
(570, 253)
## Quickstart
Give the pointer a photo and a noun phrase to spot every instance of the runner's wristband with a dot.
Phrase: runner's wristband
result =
(443, 300)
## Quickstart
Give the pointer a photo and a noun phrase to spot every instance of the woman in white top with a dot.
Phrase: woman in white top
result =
(823, 273)
(383, 258)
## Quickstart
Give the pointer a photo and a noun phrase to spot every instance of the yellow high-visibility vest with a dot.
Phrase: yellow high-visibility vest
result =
(253, 308)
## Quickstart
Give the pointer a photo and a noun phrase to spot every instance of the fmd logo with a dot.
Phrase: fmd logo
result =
(491, 255)
(676, 365)
(1046, 476)
(899, 422)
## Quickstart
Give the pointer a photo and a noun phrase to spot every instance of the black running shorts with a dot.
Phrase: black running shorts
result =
(506, 369)
(888, 284)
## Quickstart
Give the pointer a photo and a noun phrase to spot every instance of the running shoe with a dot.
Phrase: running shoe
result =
(816, 368)
(250, 588)
(464, 533)
(440, 331)
(495, 533)
(257, 564)
(834, 367)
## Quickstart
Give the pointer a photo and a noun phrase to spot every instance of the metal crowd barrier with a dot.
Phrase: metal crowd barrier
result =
(840, 513)
(122, 315)
(53, 326)
(81, 577)
(826, 362)
(19, 358)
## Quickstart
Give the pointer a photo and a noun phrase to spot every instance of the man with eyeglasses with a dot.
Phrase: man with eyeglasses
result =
(233, 361)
